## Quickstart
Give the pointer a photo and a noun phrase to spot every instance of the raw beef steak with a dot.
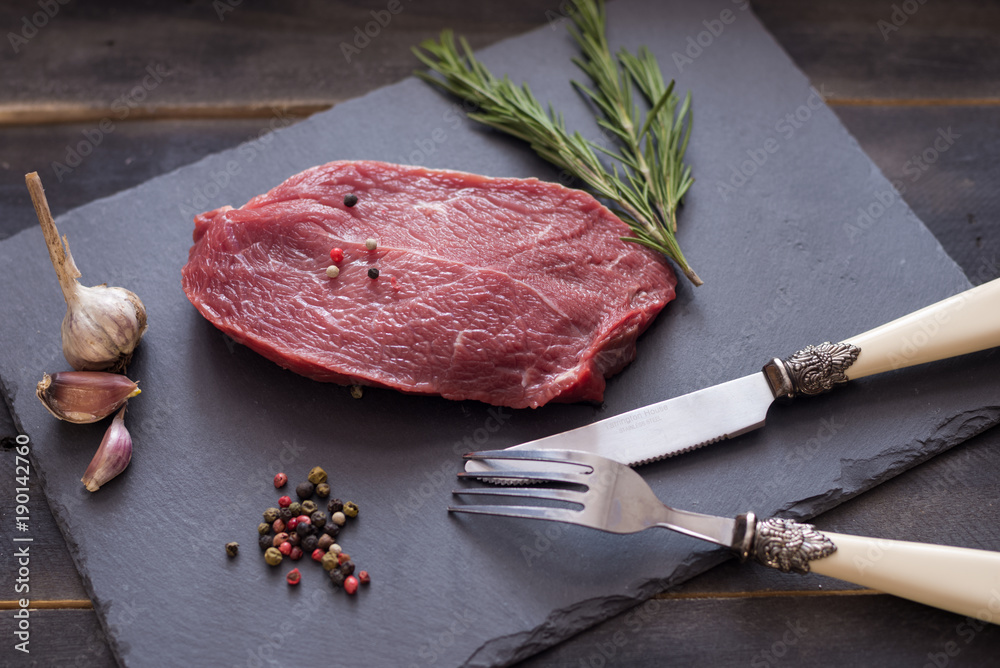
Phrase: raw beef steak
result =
(513, 292)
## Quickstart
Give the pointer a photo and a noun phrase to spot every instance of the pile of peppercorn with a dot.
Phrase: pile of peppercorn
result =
(297, 528)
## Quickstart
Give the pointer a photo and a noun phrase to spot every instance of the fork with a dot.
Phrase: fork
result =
(616, 499)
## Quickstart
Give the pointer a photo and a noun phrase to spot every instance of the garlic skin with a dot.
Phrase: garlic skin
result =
(103, 324)
(83, 397)
(102, 327)
(112, 457)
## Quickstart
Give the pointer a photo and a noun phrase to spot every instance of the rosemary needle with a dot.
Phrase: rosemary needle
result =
(647, 178)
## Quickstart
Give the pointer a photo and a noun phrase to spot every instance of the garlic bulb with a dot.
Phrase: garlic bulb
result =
(112, 457)
(84, 396)
(103, 324)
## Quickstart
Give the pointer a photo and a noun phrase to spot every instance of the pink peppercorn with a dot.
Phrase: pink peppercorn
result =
(296, 553)
(337, 255)
(364, 577)
(317, 554)
(350, 584)
(278, 525)
(285, 501)
(285, 548)
(303, 519)
(280, 479)
(293, 577)
(291, 524)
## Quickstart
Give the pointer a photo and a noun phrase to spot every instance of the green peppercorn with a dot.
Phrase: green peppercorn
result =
(309, 543)
(338, 518)
(309, 507)
(266, 542)
(337, 578)
(350, 509)
(232, 549)
(263, 528)
(357, 391)
(272, 556)
(318, 519)
(271, 514)
(335, 506)
(285, 514)
(317, 475)
(347, 568)
(296, 508)
(329, 561)
(322, 490)
(305, 490)
(324, 542)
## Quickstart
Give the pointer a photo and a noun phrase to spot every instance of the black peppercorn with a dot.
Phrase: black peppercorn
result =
(303, 529)
(263, 528)
(347, 568)
(309, 507)
(266, 542)
(322, 490)
(295, 538)
(331, 530)
(350, 200)
(305, 490)
(271, 514)
(310, 543)
(373, 273)
(335, 506)
(325, 542)
(232, 549)
(318, 519)
(285, 515)
(337, 578)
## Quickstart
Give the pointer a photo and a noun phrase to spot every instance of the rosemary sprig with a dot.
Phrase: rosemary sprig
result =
(648, 176)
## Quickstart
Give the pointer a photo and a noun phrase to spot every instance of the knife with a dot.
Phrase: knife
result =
(965, 323)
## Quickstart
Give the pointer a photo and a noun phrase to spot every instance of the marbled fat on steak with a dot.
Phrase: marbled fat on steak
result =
(514, 292)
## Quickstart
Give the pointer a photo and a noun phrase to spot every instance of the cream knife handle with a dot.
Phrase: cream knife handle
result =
(962, 324)
(957, 579)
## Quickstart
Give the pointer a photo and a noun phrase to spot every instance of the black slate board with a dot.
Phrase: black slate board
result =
(215, 421)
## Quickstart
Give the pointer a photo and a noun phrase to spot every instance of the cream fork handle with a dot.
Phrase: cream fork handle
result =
(957, 579)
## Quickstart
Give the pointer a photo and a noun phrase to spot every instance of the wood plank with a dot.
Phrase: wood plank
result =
(191, 59)
(779, 631)
(159, 55)
(61, 638)
(940, 50)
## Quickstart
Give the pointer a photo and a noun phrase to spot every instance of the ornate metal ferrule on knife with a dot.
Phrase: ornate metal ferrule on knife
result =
(812, 370)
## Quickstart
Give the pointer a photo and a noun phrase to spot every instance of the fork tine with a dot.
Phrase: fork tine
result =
(524, 512)
(560, 456)
(571, 496)
(544, 476)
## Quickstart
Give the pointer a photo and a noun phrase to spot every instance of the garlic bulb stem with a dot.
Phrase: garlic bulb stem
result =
(103, 324)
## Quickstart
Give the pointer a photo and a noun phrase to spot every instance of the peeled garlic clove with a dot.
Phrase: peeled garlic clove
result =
(102, 327)
(84, 396)
(112, 457)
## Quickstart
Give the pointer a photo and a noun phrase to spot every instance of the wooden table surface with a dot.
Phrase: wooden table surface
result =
(219, 73)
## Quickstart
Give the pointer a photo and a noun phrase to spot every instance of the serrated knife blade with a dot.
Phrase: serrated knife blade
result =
(965, 323)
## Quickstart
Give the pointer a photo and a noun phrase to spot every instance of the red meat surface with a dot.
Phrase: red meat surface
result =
(514, 292)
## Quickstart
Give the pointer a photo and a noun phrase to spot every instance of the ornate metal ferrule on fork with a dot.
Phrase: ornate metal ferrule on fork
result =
(784, 544)
(812, 370)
